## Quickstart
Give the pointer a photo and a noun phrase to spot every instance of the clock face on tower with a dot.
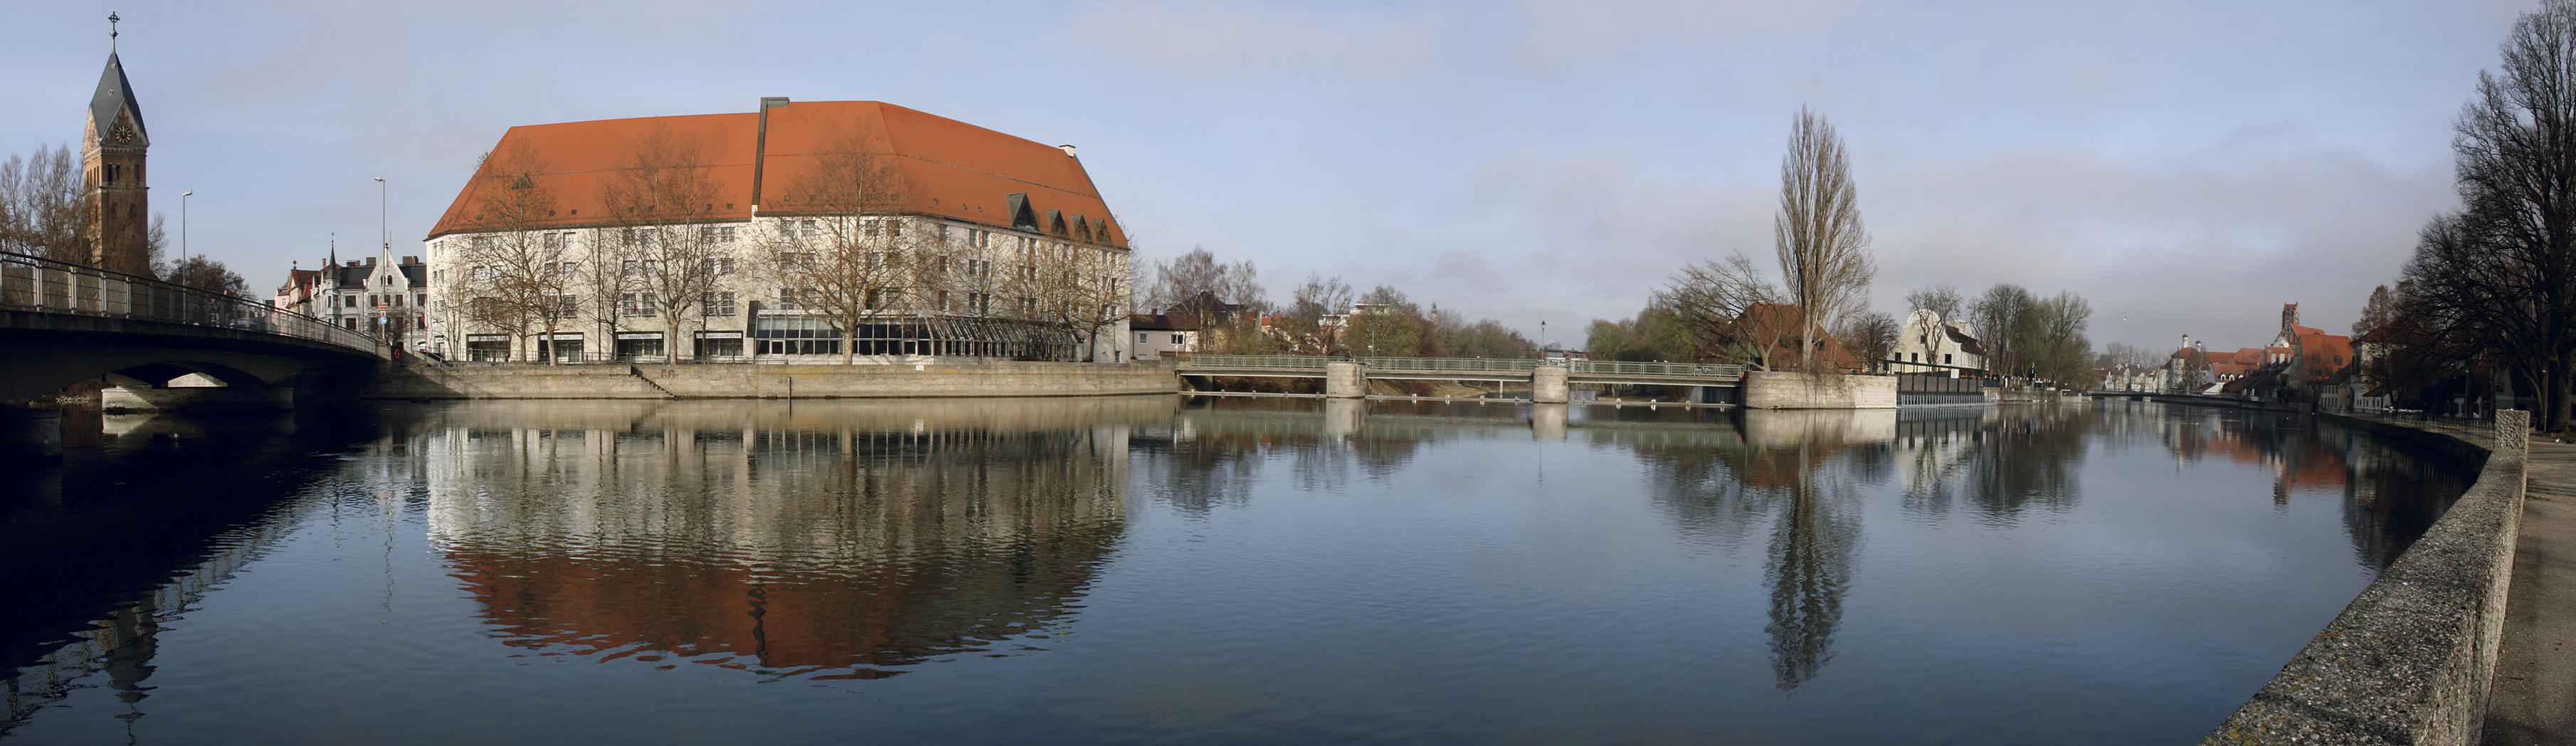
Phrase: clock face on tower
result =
(122, 134)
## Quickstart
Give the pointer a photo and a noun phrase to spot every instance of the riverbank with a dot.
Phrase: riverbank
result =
(2412, 658)
(751, 381)
(2532, 700)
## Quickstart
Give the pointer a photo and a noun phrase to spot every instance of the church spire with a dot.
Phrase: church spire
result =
(112, 167)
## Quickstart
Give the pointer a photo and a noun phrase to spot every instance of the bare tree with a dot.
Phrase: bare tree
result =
(1871, 336)
(1942, 300)
(2497, 280)
(1712, 299)
(41, 210)
(1823, 248)
(199, 271)
(1315, 315)
(1080, 288)
(512, 276)
(2376, 312)
(1198, 271)
(669, 253)
(849, 258)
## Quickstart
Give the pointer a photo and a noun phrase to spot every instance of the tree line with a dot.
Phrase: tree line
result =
(1323, 316)
(2491, 285)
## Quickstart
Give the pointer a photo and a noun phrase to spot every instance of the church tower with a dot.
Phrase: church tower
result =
(119, 213)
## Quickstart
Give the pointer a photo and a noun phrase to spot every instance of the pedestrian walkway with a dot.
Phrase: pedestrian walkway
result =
(2533, 698)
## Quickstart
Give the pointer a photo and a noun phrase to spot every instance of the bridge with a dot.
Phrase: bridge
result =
(61, 323)
(1548, 379)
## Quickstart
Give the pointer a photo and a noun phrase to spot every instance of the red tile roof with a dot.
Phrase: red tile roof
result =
(948, 168)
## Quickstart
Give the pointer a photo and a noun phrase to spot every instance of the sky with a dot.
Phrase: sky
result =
(2187, 167)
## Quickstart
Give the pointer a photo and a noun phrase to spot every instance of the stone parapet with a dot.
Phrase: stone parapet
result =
(2411, 659)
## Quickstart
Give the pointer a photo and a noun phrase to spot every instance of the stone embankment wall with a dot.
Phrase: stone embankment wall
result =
(1790, 390)
(2409, 662)
(750, 381)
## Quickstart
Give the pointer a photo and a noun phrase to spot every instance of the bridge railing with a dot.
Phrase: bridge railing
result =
(1622, 367)
(39, 284)
(1253, 361)
(1462, 364)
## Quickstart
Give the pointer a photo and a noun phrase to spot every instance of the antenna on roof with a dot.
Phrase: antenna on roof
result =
(111, 32)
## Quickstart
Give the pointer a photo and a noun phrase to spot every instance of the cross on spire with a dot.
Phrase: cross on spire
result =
(111, 32)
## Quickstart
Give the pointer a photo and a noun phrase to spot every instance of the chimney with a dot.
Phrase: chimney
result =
(411, 260)
(371, 261)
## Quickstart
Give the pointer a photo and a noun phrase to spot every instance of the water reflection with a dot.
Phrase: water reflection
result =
(98, 551)
(839, 540)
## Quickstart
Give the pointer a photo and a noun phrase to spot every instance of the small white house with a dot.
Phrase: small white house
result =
(1936, 344)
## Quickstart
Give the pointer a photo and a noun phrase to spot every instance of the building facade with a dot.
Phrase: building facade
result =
(377, 295)
(815, 231)
(1935, 346)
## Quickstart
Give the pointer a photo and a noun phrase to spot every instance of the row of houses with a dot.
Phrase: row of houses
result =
(2300, 363)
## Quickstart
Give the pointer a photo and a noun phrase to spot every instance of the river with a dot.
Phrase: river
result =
(1166, 569)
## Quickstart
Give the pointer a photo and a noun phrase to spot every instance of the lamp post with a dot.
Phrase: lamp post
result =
(183, 226)
(383, 216)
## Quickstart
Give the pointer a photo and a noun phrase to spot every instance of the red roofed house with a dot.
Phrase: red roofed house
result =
(791, 231)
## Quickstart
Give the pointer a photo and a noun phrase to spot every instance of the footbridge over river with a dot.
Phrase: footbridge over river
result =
(61, 323)
(1549, 380)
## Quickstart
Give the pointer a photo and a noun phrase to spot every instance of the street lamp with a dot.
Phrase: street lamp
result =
(183, 225)
(383, 220)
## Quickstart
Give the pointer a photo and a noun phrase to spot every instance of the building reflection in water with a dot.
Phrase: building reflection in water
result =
(839, 539)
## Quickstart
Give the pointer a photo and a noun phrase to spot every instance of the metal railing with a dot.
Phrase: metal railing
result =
(1252, 361)
(48, 286)
(1460, 365)
(1622, 367)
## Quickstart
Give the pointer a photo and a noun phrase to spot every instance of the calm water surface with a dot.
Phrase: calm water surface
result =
(1171, 570)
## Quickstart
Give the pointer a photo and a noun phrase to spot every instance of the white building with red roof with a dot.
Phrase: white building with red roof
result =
(790, 231)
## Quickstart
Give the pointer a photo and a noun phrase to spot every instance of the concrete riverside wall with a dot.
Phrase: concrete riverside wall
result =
(1345, 380)
(2410, 660)
(751, 381)
(1792, 390)
(1548, 384)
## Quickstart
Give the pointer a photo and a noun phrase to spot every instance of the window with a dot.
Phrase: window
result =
(1140, 338)
(627, 269)
(940, 264)
(568, 236)
(564, 307)
(553, 240)
(1176, 339)
(1945, 358)
(716, 266)
(806, 228)
(979, 303)
(420, 299)
(939, 301)
(720, 303)
(636, 304)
